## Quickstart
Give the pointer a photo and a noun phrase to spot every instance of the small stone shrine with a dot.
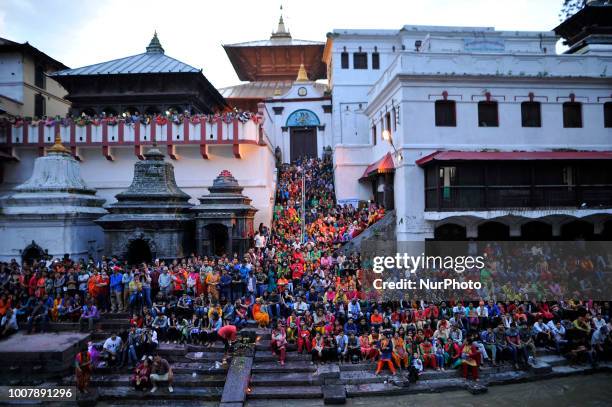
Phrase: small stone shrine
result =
(52, 213)
(224, 218)
(152, 218)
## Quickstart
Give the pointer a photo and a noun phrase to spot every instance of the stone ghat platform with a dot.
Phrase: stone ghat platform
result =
(204, 377)
(27, 359)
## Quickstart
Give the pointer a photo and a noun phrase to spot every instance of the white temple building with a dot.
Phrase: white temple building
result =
(467, 132)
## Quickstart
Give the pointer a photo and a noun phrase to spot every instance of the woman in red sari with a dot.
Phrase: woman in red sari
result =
(83, 370)
(140, 379)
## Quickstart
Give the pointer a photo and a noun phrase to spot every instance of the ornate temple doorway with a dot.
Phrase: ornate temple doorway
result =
(302, 126)
(138, 252)
(31, 253)
(303, 142)
(217, 239)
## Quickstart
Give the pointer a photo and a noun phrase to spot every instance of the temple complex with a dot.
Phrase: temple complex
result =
(412, 116)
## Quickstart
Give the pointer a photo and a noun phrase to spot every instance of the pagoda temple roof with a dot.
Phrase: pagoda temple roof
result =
(277, 58)
(275, 42)
(261, 89)
(594, 18)
(154, 60)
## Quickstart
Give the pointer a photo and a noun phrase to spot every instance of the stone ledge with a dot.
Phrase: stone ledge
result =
(334, 394)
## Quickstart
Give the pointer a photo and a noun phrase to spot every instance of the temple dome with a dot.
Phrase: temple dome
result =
(55, 187)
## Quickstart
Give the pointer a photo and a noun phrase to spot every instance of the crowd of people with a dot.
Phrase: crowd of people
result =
(131, 117)
(296, 282)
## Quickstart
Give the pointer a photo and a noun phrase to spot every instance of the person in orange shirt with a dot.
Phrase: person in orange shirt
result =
(400, 356)
(5, 304)
(376, 319)
(92, 286)
(212, 281)
(262, 317)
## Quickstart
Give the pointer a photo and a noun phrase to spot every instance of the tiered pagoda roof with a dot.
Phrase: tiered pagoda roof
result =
(277, 58)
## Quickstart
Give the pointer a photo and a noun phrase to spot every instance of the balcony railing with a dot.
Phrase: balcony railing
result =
(480, 197)
(202, 131)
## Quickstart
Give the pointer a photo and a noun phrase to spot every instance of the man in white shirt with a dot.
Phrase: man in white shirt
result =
(300, 306)
(111, 347)
(260, 240)
(8, 325)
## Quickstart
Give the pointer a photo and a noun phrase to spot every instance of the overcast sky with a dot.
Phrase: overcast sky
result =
(86, 32)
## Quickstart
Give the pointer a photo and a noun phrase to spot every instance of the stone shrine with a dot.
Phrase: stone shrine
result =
(224, 218)
(52, 213)
(152, 218)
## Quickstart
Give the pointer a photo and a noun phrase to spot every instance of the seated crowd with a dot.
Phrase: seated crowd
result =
(296, 282)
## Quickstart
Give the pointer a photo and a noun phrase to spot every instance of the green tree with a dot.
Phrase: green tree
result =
(571, 7)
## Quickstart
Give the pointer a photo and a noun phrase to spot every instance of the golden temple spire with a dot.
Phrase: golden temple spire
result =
(58, 147)
(302, 75)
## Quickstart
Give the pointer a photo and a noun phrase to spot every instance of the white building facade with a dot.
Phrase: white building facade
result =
(471, 89)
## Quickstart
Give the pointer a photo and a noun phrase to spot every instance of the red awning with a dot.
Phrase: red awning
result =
(382, 166)
(513, 156)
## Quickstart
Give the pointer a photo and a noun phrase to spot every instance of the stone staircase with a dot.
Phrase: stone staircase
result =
(201, 379)
(299, 379)
(199, 375)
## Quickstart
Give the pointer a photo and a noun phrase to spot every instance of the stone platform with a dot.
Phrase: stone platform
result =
(28, 358)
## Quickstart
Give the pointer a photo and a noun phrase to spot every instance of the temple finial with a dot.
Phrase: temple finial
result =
(155, 46)
(302, 74)
(281, 30)
(58, 147)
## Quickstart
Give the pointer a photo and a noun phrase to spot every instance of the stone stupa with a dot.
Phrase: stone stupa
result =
(52, 213)
(224, 218)
(152, 218)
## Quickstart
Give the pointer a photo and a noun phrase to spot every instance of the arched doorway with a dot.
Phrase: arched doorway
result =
(302, 126)
(536, 230)
(138, 252)
(217, 239)
(493, 231)
(152, 110)
(577, 230)
(31, 253)
(450, 232)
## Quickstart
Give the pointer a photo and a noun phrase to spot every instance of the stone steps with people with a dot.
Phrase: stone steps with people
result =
(179, 393)
(299, 379)
(180, 380)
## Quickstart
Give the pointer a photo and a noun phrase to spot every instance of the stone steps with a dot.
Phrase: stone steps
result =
(267, 356)
(203, 368)
(124, 393)
(552, 360)
(119, 315)
(285, 379)
(390, 389)
(290, 367)
(164, 403)
(285, 392)
(366, 376)
(180, 380)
